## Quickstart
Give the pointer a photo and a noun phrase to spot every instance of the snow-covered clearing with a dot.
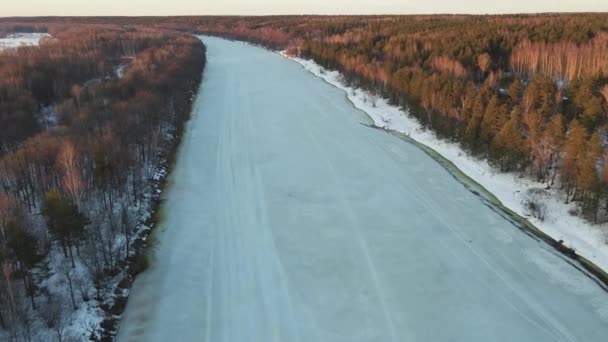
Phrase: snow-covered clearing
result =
(21, 39)
(287, 218)
(588, 240)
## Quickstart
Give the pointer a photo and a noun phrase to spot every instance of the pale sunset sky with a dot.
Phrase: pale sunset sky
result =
(262, 7)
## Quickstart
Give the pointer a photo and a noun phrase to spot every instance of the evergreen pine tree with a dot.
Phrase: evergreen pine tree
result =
(64, 220)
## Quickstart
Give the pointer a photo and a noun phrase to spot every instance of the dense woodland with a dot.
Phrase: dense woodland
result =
(87, 120)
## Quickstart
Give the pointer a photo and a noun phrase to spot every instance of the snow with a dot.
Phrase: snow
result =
(120, 70)
(52, 280)
(287, 218)
(21, 39)
(77, 324)
(588, 240)
(48, 117)
(123, 64)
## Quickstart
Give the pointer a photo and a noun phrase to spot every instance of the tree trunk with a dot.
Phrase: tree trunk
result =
(72, 257)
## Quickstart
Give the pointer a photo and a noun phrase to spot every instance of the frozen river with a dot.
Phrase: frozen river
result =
(287, 219)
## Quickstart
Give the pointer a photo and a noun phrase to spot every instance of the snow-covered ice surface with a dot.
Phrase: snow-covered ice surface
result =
(21, 39)
(588, 240)
(287, 219)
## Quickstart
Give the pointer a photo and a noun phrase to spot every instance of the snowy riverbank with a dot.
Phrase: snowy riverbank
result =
(588, 240)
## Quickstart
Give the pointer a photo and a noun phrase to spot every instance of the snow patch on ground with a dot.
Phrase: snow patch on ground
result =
(21, 39)
(48, 117)
(588, 240)
(120, 70)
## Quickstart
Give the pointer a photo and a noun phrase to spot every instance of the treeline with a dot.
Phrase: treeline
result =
(86, 121)
(6, 30)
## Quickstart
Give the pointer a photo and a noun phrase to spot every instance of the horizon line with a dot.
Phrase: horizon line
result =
(299, 15)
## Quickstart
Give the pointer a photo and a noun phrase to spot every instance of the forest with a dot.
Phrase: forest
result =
(88, 122)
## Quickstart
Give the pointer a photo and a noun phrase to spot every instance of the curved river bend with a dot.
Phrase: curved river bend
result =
(289, 220)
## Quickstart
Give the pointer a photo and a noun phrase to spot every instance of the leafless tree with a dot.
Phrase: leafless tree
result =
(69, 164)
(68, 273)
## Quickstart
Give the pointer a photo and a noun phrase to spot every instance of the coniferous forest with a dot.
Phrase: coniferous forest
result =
(89, 118)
